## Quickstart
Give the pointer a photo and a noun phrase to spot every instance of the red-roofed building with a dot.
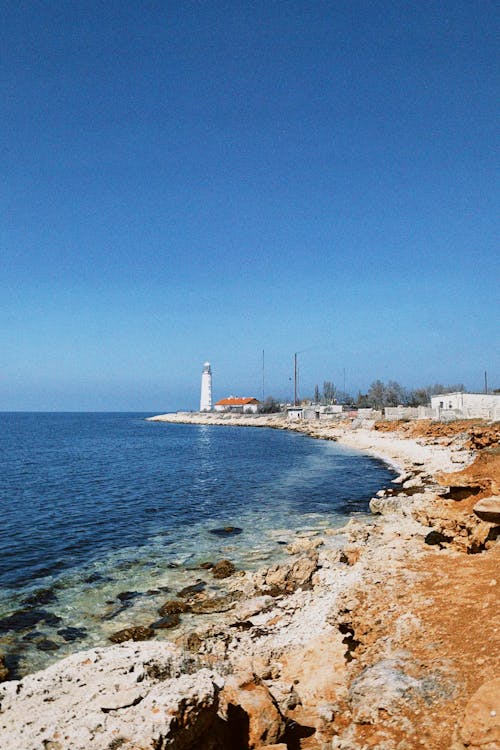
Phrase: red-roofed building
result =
(238, 405)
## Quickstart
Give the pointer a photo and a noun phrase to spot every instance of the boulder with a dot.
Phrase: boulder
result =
(488, 509)
(306, 544)
(134, 633)
(247, 705)
(480, 727)
(287, 578)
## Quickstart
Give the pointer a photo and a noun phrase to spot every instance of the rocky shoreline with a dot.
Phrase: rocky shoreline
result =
(383, 634)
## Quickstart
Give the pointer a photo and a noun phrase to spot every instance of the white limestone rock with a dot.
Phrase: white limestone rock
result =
(133, 692)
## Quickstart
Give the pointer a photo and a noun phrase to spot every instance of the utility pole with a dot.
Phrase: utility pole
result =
(263, 380)
(485, 382)
(295, 379)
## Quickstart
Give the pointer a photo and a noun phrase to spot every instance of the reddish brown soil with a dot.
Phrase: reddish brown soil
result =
(480, 433)
(454, 598)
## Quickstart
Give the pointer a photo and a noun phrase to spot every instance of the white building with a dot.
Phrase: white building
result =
(238, 405)
(206, 388)
(466, 405)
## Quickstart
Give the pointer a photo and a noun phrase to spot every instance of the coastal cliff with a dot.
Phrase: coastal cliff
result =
(383, 634)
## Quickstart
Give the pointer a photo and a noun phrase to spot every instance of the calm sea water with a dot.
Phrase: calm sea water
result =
(102, 513)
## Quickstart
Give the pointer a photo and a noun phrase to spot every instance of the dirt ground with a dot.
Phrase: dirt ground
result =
(452, 605)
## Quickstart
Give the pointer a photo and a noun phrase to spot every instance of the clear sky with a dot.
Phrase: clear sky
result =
(184, 181)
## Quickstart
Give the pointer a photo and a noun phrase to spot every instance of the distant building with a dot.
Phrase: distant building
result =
(295, 412)
(238, 405)
(206, 388)
(467, 405)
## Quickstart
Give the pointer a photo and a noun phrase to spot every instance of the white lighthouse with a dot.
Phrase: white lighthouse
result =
(206, 388)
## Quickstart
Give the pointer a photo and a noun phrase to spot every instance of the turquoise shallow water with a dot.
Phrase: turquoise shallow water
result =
(102, 513)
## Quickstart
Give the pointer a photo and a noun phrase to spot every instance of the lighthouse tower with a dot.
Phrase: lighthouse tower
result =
(206, 388)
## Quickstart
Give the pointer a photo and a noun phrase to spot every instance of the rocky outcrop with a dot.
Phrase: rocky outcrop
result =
(287, 578)
(248, 702)
(488, 509)
(130, 696)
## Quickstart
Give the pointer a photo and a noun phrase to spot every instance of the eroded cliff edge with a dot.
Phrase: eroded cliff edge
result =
(383, 635)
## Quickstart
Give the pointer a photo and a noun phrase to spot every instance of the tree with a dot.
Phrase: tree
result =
(422, 396)
(376, 395)
(270, 406)
(316, 394)
(362, 401)
(419, 397)
(329, 392)
(394, 394)
(343, 397)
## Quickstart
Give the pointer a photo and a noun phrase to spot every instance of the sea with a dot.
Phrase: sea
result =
(104, 516)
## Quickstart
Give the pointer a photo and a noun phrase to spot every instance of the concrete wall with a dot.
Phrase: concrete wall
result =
(408, 412)
(334, 411)
(466, 405)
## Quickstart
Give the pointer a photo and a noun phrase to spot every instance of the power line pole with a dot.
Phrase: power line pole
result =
(263, 379)
(485, 382)
(295, 379)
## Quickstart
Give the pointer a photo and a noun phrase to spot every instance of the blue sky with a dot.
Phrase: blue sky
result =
(207, 180)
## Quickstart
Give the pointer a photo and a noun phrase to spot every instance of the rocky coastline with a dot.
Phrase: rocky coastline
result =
(383, 634)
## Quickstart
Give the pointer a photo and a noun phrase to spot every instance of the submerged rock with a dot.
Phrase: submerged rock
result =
(134, 633)
(71, 634)
(47, 645)
(223, 569)
(195, 588)
(126, 596)
(169, 621)
(33, 636)
(227, 531)
(173, 607)
(27, 618)
(41, 596)
(95, 577)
